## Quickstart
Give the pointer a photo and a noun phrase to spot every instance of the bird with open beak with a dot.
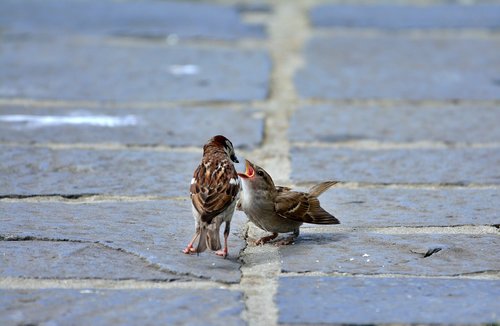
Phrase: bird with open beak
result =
(214, 190)
(278, 209)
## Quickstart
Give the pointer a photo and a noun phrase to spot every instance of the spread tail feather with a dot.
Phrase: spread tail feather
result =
(321, 188)
(209, 237)
(202, 241)
(213, 237)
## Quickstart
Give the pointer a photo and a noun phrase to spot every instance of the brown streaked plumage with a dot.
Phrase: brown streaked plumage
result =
(214, 189)
(279, 209)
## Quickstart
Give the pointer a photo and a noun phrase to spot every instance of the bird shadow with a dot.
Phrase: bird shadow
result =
(320, 238)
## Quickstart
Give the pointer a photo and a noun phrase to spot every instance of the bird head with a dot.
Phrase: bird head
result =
(220, 141)
(256, 177)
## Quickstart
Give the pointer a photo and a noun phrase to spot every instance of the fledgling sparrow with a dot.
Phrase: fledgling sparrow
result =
(214, 190)
(279, 209)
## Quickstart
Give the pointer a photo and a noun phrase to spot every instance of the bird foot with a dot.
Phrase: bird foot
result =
(222, 253)
(266, 239)
(189, 250)
(285, 242)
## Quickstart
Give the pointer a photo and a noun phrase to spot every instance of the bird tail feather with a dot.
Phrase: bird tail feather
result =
(213, 237)
(321, 188)
(209, 237)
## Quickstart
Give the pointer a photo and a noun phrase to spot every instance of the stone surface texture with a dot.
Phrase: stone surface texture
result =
(341, 300)
(369, 253)
(383, 207)
(124, 72)
(452, 166)
(150, 234)
(105, 307)
(105, 106)
(42, 171)
(148, 19)
(172, 127)
(407, 16)
(453, 68)
(452, 124)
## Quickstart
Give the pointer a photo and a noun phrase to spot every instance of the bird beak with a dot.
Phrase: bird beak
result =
(249, 171)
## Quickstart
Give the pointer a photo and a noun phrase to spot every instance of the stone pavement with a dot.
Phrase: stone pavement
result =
(104, 107)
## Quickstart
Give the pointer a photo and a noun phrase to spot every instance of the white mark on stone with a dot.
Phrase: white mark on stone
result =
(172, 39)
(40, 121)
(366, 255)
(184, 70)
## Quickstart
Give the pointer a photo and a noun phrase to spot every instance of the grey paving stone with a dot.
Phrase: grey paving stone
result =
(121, 72)
(380, 207)
(375, 253)
(41, 171)
(49, 259)
(401, 16)
(346, 300)
(121, 307)
(335, 123)
(125, 18)
(172, 127)
(453, 165)
(400, 67)
(152, 231)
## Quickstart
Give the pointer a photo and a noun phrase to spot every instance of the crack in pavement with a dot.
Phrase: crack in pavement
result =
(148, 264)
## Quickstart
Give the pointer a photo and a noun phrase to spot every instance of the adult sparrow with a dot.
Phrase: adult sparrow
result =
(279, 209)
(214, 188)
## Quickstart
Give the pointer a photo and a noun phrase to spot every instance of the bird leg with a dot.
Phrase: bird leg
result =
(268, 238)
(289, 240)
(189, 249)
(223, 252)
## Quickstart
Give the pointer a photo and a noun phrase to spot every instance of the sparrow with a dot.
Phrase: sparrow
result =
(214, 189)
(279, 209)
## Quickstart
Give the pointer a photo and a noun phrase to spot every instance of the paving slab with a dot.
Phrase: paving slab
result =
(148, 19)
(381, 207)
(328, 251)
(41, 171)
(70, 260)
(407, 16)
(118, 307)
(171, 127)
(128, 72)
(353, 300)
(452, 165)
(451, 124)
(154, 232)
(337, 67)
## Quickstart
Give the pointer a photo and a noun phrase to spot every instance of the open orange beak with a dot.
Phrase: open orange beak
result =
(249, 171)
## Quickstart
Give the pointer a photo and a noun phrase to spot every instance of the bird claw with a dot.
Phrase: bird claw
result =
(266, 239)
(260, 242)
(222, 253)
(284, 242)
(189, 250)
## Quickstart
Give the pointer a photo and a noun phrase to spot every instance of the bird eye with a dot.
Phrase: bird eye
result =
(260, 173)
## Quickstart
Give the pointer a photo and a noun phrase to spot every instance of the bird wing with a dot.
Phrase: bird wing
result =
(281, 189)
(213, 188)
(302, 207)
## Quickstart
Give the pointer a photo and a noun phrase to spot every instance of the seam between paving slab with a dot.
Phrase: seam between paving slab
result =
(255, 104)
(261, 266)
(288, 30)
